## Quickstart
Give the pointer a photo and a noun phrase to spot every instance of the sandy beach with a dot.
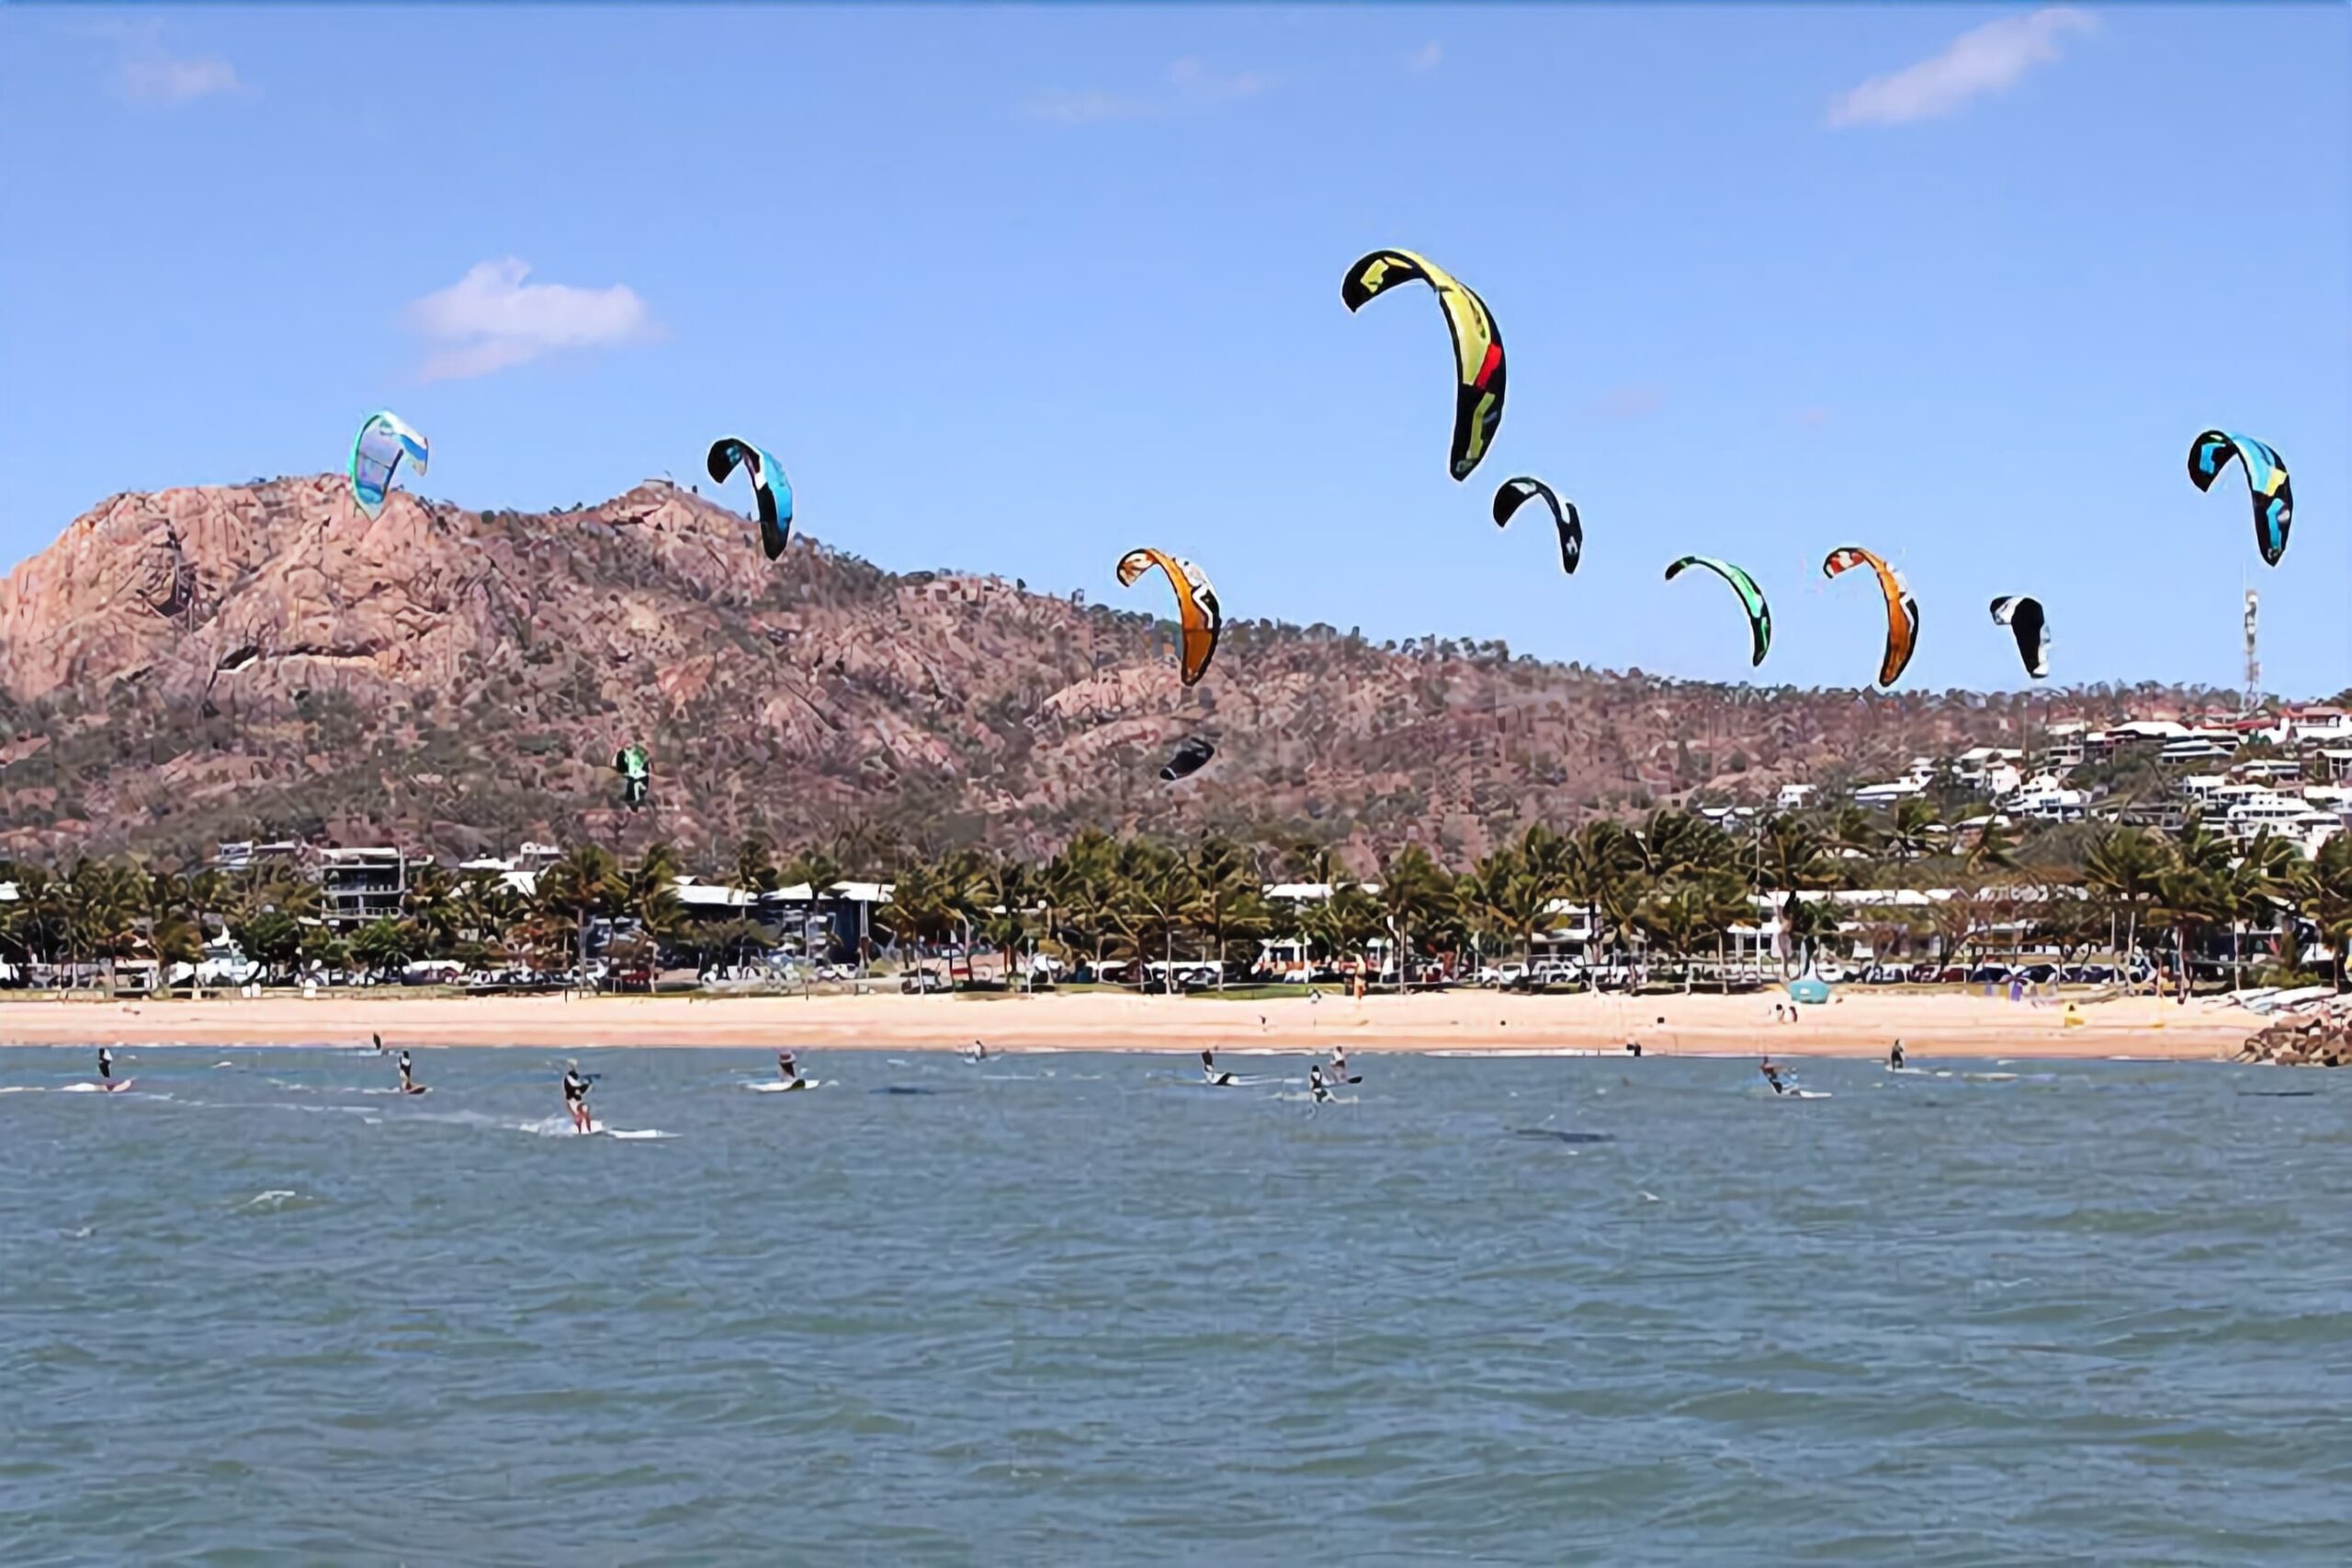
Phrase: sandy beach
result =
(1856, 1024)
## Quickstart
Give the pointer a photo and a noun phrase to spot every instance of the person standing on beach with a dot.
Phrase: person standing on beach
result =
(575, 1097)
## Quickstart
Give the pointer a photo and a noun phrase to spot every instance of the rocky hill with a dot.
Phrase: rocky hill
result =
(263, 660)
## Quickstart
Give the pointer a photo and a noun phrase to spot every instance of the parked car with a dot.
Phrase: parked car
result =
(1989, 975)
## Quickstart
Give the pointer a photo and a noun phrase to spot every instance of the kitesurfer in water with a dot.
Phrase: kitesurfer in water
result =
(106, 1065)
(1315, 1083)
(1340, 1065)
(1208, 1068)
(1894, 1057)
(1771, 1072)
(408, 1074)
(786, 1068)
(575, 1097)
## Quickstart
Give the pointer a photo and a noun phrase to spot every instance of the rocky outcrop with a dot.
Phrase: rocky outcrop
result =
(262, 660)
(2321, 1040)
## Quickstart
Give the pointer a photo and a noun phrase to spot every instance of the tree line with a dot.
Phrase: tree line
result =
(1673, 885)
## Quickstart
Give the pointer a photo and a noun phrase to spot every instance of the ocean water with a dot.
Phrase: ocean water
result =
(1073, 1309)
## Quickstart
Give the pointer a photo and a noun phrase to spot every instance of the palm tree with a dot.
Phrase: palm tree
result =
(1004, 899)
(384, 945)
(574, 891)
(922, 910)
(1413, 894)
(104, 905)
(1228, 903)
(1914, 828)
(2190, 890)
(647, 893)
(1504, 897)
(1854, 829)
(1077, 885)
(431, 905)
(1603, 872)
(1993, 849)
(1686, 912)
(2323, 893)
(756, 868)
(1151, 888)
(2123, 867)
(2250, 889)
(35, 925)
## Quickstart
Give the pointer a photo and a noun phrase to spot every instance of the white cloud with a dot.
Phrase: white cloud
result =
(1191, 87)
(147, 71)
(1635, 400)
(166, 82)
(491, 319)
(1426, 58)
(1984, 59)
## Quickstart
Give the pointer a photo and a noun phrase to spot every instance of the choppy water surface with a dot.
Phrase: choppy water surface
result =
(1071, 1309)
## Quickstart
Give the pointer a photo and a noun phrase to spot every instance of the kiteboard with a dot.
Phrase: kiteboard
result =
(418, 1089)
(118, 1085)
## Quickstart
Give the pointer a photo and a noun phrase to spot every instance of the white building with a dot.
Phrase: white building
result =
(2046, 800)
(1794, 797)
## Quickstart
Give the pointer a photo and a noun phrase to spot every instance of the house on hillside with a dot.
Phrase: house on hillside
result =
(360, 887)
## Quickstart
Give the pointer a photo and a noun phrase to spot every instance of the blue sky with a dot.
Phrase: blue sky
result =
(1015, 290)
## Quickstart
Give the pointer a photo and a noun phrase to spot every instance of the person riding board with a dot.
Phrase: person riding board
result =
(1208, 1068)
(408, 1074)
(1340, 1065)
(106, 1065)
(575, 1097)
(786, 1068)
(1772, 1075)
(1894, 1057)
(1315, 1083)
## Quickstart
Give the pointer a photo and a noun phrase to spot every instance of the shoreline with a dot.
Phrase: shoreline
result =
(1857, 1025)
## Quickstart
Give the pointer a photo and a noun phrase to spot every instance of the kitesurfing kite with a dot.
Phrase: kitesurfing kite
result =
(637, 774)
(1478, 345)
(772, 490)
(1751, 599)
(2023, 616)
(1902, 610)
(1189, 757)
(1196, 608)
(383, 440)
(2266, 481)
(1516, 494)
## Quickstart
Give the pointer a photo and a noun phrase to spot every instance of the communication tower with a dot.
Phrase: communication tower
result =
(2253, 698)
